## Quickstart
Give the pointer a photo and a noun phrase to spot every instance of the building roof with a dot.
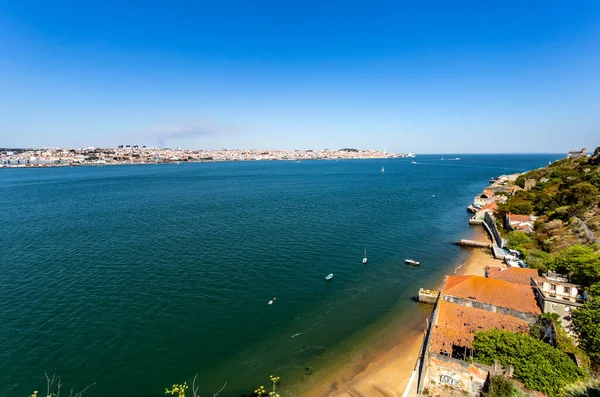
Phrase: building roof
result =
(491, 206)
(514, 218)
(517, 275)
(495, 292)
(457, 325)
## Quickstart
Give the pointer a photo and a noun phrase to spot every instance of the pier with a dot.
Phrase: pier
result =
(474, 244)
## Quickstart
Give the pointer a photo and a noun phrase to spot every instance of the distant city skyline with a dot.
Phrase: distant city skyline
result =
(454, 78)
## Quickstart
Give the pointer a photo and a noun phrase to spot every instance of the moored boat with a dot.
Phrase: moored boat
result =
(329, 276)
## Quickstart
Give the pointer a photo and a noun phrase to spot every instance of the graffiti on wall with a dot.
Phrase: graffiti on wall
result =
(450, 381)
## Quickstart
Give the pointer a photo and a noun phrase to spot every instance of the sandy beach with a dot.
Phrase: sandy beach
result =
(478, 260)
(388, 373)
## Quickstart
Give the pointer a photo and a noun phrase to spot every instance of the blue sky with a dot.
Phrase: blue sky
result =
(429, 77)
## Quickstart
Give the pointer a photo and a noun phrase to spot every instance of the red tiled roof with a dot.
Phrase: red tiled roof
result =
(516, 275)
(495, 292)
(518, 218)
(490, 206)
(457, 325)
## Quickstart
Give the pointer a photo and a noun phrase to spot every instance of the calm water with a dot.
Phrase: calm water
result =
(137, 277)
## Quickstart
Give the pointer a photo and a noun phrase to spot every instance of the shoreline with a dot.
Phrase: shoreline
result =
(179, 162)
(390, 372)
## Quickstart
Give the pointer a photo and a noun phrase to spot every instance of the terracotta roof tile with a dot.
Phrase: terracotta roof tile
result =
(518, 218)
(490, 206)
(457, 325)
(495, 292)
(517, 275)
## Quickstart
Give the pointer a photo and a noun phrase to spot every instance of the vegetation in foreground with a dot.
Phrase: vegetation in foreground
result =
(536, 364)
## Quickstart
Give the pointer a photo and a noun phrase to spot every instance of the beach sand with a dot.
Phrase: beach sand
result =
(388, 372)
(478, 260)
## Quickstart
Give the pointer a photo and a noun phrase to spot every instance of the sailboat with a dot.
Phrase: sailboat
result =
(365, 258)
(382, 170)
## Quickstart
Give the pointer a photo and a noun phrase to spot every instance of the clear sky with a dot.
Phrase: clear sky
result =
(423, 76)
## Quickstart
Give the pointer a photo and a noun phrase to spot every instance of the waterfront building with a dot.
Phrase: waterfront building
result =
(555, 294)
(523, 223)
(469, 304)
(517, 275)
(483, 199)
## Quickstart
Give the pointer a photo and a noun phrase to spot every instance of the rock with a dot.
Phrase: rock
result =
(595, 159)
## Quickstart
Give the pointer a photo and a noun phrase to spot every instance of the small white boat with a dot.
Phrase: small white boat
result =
(329, 276)
(412, 262)
(382, 170)
(413, 162)
(365, 258)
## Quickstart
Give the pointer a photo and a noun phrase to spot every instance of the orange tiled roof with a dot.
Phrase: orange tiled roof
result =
(496, 292)
(515, 275)
(491, 206)
(457, 325)
(518, 218)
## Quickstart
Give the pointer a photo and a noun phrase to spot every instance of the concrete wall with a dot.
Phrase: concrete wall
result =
(425, 354)
(446, 375)
(492, 229)
(427, 296)
(558, 306)
(529, 317)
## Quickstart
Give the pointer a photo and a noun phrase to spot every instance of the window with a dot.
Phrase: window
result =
(567, 290)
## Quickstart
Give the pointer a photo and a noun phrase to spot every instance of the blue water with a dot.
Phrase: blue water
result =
(137, 277)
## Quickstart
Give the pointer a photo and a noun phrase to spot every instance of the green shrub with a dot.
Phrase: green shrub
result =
(590, 388)
(520, 241)
(499, 386)
(538, 365)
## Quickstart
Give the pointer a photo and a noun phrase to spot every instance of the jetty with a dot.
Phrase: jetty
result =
(474, 244)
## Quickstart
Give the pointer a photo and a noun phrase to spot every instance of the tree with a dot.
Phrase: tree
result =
(582, 193)
(538, 259)
(538, 365)
(519, 240)
(521, 209)
(581, 261)
(594, 290)
(586, 324)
